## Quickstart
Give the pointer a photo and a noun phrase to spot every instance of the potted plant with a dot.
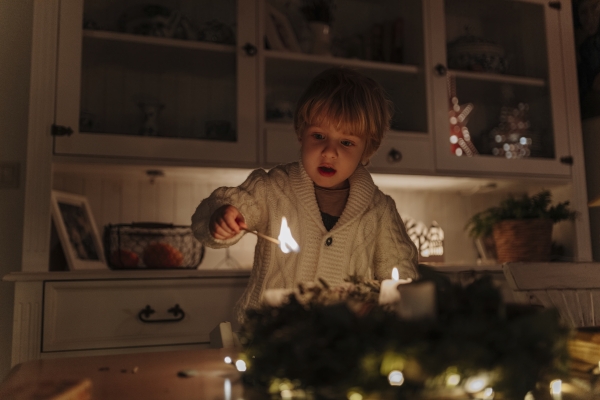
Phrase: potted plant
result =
(521, 226)
(319, 16)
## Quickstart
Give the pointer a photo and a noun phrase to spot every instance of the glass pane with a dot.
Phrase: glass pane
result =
(501, 119)
(499, 98)
(497, 36)
(159, 70)
(383, 39)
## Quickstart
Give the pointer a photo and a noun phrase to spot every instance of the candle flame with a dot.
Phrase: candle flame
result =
(395, 274)
(286, 241)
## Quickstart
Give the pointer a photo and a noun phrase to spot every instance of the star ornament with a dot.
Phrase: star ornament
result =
(460, 138)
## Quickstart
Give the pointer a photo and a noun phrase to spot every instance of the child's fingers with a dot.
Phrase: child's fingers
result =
(219, 233)
(241, 223)
(231, 223)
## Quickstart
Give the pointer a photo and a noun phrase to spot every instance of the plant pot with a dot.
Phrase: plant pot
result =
(523, 240)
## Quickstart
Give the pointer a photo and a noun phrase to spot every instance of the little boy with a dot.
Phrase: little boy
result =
(342, 222)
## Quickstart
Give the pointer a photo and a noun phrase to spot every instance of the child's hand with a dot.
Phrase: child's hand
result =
(226, 222)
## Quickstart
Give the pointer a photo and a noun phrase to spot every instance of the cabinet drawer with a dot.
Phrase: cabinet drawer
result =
(399, 153)
(82, 315)
(411, 153)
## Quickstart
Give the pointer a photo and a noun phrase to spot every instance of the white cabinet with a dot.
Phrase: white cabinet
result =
(499, 64)
(107, 312)
(173, 98)
(455, 56)
(227, 103)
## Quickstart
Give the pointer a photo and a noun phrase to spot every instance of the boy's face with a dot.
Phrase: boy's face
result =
(330, 156)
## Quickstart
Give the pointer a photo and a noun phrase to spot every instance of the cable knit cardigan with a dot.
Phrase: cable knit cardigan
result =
(368, 240)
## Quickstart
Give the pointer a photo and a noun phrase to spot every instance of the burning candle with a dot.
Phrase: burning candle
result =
(389, 294)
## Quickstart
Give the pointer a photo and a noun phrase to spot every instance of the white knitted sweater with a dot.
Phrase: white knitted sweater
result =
(368, 240)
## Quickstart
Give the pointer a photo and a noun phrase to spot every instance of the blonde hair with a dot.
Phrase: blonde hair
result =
(349, 101)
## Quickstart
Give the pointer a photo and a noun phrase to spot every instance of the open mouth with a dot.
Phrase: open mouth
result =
(326, 171)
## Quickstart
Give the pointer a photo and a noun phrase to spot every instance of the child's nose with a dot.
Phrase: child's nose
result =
(330, 150)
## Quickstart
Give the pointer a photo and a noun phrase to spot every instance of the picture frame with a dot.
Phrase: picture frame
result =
(77, 231)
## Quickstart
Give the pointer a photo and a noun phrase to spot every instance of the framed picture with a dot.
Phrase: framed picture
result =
(77, 231)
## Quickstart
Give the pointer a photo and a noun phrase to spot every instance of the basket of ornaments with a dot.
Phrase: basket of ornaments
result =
(151, 245)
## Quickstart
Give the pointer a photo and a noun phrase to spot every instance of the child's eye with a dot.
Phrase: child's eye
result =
(347, 143)
(318, 136)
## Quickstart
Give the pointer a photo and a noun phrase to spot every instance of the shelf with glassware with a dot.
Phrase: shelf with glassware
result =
(132, 96)
(504, 89)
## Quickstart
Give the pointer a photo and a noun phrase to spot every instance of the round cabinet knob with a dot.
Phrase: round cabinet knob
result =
(441, 69)
(394, 156)
(250, 49)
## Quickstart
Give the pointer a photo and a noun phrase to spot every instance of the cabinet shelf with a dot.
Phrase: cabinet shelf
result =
(480, 76)
(159, 41)
(337, 61)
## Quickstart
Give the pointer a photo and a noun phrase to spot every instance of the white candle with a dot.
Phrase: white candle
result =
(276, 297)
(417, 301)
(389, 294)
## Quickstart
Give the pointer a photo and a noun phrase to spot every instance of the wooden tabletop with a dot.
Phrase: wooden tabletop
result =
(151, 376)
(134, 376)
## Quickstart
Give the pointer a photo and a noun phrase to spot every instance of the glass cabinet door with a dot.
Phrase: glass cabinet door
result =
(383, 39)
(158, 80)
(497, 72)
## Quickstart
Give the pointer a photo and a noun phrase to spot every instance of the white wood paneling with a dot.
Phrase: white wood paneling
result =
(127, 194)
(27, 322)
(131, 197)
(38, 175)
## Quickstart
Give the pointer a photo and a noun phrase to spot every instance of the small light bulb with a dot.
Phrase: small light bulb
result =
(240, 365)
(354, 396)
(396, 378)
(556, 386)
(488, 393)
(228, 360)
(453, 380)
(529, 396)
(476, 383)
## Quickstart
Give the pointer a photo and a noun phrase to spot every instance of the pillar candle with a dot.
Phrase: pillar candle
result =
(276, 297)
(417, 301)
(389, 294)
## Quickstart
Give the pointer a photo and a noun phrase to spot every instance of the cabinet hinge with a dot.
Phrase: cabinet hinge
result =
(555, 4)
(59, 130)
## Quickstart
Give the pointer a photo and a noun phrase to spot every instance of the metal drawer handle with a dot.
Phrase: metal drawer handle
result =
(145, 313)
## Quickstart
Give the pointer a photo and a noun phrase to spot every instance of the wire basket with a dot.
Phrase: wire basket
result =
(523, 240)
(151, 245)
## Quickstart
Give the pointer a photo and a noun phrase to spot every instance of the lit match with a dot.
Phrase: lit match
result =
(286, 242)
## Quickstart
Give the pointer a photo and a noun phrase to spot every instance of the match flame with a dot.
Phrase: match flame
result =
(286, 241)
